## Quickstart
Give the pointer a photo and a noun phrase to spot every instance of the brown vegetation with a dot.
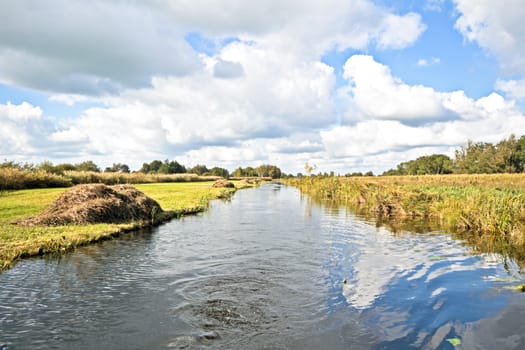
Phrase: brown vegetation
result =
(221, 183)
(98, 203)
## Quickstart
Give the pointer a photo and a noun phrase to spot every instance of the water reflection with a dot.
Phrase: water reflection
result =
(414, 290)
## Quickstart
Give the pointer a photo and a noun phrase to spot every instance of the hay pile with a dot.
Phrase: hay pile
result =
(98, 203)
(223, 184)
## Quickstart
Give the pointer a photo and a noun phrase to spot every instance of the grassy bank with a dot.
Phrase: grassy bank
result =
(16, 241)
(487, 209)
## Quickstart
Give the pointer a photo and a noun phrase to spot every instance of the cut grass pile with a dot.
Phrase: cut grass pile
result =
(98, 203)
(18, 241)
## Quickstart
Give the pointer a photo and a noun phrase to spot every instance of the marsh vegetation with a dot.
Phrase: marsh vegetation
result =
(487, 210)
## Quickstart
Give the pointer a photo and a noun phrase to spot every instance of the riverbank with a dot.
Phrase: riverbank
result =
(489, 210)
(17, 241)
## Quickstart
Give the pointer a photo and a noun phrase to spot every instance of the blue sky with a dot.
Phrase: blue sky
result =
(348, 85)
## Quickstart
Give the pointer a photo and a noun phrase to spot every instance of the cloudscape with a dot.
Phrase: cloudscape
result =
(347, 85)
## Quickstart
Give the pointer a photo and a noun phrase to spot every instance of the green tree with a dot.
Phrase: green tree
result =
(117, 168)
(199, 169)
(477, 158)
(216, 171)
(88, 165)
(171, 167)
(517, 160)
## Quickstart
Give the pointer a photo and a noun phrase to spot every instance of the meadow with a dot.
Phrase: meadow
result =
(486, 210)
(18, 241)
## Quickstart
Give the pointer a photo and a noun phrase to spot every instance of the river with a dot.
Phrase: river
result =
(267, 270)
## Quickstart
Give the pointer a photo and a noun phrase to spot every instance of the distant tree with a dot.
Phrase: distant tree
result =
(171, 167)
(244, 172)
(477, 158)
(88, 165)
(216, 171)
(267, 170)
(199, 169)
(117, 168)
(145, 168)
(154, 166)
(237, 172)
(47, 166)
(433, 164)
(61, 168)
(517, 160)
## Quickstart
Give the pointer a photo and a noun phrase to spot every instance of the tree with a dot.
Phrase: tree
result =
(117, 168)
(433, 164)
(171, 167)
(88, 165)
(216, 171)
(517, 160)
(477, 158)
(244, 172)
(198, 169)
(267, 170)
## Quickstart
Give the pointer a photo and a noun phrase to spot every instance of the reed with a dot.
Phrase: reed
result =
(489, 210)
(17, 179)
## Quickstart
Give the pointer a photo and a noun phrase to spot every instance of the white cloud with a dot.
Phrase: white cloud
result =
(513, 88)
(422, 62)
(68, 46)
(497, 27)
(434, 5)
(105, 47)
(377, 94)
(20, 126)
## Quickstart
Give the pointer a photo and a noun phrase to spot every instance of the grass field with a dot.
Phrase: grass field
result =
(18, 241)
(487, 210)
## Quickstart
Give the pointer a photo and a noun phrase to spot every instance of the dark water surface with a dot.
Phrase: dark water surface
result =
(268, 270)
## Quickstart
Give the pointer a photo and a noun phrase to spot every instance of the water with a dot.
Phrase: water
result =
(268, 270)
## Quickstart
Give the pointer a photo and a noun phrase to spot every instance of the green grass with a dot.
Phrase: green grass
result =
(16, 241)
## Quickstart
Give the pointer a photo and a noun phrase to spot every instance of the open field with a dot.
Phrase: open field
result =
(487, 210)
(177, 198)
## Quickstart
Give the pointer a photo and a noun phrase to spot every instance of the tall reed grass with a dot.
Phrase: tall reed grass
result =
(489, 209)
(17, 179)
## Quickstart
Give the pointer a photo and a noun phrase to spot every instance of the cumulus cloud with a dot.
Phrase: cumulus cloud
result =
(177, 114)
(106, 47)
(20, 128)
(377, 94)
(497, 27)
(513, 88)
(72, 47)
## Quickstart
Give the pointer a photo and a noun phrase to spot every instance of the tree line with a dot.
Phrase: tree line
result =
(506, 156)
(154, 167)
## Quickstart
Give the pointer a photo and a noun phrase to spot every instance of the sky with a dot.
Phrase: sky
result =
(346, 85)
